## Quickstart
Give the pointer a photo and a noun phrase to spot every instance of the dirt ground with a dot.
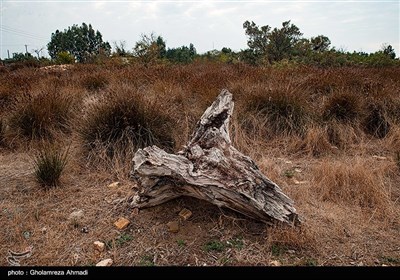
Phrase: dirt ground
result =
(330, 234)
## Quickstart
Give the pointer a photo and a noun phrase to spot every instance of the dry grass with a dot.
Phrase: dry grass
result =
(329, 137)
(357, 181)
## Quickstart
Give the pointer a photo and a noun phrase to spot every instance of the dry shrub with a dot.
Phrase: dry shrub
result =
(392, 140)
(343, 135)
(2, 132)
(39, 116)
(357, 181)
(95, 82)
(315, 142)
(375, 122)
(282, 238)
(343, 107)
(125, 121)
(278, 111)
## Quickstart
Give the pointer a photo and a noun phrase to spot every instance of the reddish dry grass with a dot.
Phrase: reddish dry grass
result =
(348, 199)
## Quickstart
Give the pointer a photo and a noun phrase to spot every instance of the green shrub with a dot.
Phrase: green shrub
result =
(64, 58)
(49, 164)
(214, 245)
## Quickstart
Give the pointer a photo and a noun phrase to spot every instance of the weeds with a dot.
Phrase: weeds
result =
(214, 245)
(120, 241)
(236, 243)
(375, 122)
(95, 82)
(146, 260)
(344, 107)
(181, 243)
(49, 164)
(284, 113)
(38, 116)
(125, 121)
(2, 132)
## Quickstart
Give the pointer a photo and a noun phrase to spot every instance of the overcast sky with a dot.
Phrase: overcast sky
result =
(351, 25)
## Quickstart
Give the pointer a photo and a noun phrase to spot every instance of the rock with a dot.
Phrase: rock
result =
(291, 252)
(106, 262)
(185, 214)
(99, 246)
(113, 185)
(298, 170)
(43, 230)
(173, 226)
(76, 216)
(85, 229)
(275, 263)
(122, 223)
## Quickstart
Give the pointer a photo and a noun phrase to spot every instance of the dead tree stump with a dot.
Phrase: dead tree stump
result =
(210, 168)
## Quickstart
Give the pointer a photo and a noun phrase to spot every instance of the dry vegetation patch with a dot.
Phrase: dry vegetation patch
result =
(329, 137)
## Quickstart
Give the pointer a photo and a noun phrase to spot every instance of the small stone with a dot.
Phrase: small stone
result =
(113, 185)
(76, 216)
(298, 170)
(106, 262)
(275, 263)
(26, 234)
(43, 230)
(173, 226)
(185, 214)
(99, 246)
(85, 229)
(122, 223)
(291, 252)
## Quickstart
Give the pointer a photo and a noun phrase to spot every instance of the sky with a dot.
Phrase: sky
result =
(350, 25)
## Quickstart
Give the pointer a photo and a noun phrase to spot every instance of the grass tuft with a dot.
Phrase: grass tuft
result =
(283, 113)
(125, 121)
(343, 107)
(39, 116)
(49, 164)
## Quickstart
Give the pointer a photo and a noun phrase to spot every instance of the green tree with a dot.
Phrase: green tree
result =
(182, 54)
(150, 48)
(258, 39)
(282, 41)
(389, 51)
(273, 45)
(83, 42)
(320, 43)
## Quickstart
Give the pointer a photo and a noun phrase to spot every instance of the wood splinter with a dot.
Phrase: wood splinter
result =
(211, 169)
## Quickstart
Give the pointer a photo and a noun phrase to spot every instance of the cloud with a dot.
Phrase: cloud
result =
(356, 25)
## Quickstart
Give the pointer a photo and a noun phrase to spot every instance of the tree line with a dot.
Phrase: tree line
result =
(266, 46)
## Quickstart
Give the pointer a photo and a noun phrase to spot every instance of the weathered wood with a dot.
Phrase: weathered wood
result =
(210, 168)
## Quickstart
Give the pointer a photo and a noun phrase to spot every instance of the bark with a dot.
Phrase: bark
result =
(210, 168)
